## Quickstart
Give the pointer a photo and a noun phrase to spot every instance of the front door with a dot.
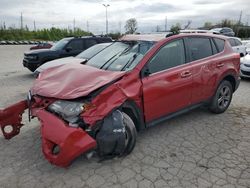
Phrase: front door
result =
(167, 87)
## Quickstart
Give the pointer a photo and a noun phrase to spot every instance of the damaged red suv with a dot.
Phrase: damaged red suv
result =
(99, 106)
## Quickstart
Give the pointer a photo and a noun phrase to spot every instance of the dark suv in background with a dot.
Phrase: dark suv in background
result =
(66, 47)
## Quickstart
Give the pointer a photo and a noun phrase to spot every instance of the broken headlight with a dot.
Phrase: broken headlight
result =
(68, 110)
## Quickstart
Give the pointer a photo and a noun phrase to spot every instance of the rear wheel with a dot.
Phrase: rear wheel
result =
(222, 98)
(131, 134)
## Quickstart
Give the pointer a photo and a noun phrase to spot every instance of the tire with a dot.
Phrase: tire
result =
(131, 134)
(222, 98)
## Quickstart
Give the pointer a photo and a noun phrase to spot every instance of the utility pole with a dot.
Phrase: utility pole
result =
(120, 27)
(34, 25)
(21, 21)
(239, 23)
(74, 25)
(87, 26)
(106, 6)
(166, 23)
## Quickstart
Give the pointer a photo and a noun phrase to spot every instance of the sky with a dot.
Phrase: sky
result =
(90, 14)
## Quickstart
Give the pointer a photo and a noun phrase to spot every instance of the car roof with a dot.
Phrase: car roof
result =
(143, 37)
(194, 31)
(161, 36)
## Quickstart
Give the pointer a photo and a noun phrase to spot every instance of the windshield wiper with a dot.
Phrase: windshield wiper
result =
(130, 61)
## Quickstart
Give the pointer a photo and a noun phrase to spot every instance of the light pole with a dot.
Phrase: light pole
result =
(106, 6)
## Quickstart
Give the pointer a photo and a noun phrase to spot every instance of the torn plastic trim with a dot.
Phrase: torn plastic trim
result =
(68, 142)
(12, 116)
(111, 137)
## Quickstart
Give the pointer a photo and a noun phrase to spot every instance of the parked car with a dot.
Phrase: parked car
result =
(246, 43)
(223, 31)
(101, 106)
(3, 42)
(237, 46)
(66, 47)
(10, 42)
(245, 66)
(80, 58)
(45, 45)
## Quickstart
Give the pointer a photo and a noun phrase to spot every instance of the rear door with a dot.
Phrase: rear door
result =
(201, 50)
(167, 86)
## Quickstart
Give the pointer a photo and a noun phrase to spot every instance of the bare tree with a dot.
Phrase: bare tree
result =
(188, 24)
(131, 26)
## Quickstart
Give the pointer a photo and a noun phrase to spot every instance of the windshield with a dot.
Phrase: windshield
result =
(128, 60)
(107, 54)
(121, 56)
(90, 52)
(60, 44)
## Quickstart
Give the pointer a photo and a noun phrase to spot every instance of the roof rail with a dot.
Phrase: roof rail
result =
(171, 34)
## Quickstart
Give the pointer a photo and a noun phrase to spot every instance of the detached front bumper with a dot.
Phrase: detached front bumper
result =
(55, 133)
(70, 142)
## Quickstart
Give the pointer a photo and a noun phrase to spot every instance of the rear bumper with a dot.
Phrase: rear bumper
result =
(71, 141)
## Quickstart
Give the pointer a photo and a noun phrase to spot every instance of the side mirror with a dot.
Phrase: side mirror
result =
(68, 49)
(145, 72)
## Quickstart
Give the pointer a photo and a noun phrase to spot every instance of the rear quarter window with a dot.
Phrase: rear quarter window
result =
(220, 44)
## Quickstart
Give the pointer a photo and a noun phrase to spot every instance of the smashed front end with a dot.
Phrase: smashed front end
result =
(62, 132)
(76, 116)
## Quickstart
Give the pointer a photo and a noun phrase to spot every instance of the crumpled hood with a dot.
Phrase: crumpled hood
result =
(57, 62)
(72, 81)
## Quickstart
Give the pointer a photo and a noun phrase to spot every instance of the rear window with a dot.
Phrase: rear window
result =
(200, 48)
(232, 42)
(219, 44)
(237, 42)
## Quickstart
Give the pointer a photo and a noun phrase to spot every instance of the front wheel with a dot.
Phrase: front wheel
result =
(130, 133)
(222, 98)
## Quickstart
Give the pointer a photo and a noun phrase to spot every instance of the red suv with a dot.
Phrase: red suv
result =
(101, 106)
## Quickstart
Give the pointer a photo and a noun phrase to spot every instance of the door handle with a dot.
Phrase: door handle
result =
(186, 74)
(220, 65)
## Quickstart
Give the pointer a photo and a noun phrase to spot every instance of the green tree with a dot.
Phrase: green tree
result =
(175, 29)
(208, 25)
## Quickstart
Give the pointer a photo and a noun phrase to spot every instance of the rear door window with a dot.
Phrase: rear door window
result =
(199, 48)
(89, 43)
(76, 45)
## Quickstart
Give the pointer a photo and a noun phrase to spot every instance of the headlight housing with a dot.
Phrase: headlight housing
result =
(68, 110)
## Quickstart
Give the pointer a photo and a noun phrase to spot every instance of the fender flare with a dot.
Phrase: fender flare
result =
(131, 109)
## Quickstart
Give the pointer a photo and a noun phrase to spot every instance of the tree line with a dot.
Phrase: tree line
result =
(240, 29)
(52, 34)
